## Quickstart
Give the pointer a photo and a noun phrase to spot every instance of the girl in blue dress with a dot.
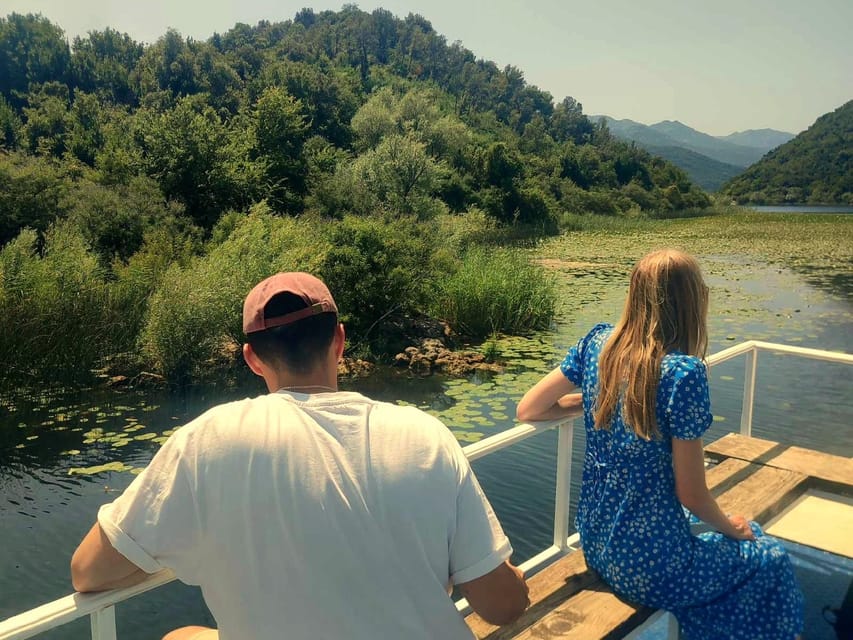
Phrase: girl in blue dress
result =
(644, 395)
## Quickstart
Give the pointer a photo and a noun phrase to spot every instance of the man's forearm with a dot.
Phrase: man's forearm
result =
(97, 566)
(128, 581)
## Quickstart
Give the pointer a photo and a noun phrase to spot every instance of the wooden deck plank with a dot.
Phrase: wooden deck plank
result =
(762, 494)
(592, 613)
(565, 596)
(822, 466)
(727, 474)
(552, 585)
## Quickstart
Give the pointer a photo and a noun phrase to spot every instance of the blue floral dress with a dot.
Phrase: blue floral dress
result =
(636, 534)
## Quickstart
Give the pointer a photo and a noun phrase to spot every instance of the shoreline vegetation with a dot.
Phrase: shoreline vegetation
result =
(145, 188)
(73, 325)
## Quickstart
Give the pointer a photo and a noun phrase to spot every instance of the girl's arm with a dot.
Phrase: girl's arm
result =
(550, 398)
(688, 460)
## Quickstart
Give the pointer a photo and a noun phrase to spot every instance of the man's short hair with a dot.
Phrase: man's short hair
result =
(298, 346)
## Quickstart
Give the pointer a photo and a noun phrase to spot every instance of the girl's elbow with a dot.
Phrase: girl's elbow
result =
(524, 413)
(693, 500)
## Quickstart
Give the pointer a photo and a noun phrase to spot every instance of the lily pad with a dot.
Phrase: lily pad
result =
(99, 468)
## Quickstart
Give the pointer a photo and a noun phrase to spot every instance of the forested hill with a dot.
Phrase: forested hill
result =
(145, 188)
(816, 167)
(333, 112)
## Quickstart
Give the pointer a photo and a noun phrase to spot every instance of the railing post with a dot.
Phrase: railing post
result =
(564, 478)
(673, 631)
(104, 624)
(748, 392)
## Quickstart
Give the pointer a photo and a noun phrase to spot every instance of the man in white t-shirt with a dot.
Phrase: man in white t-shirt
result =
(309, 513)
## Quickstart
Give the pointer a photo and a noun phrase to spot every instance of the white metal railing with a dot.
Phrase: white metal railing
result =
(100, 606)
(750, 348)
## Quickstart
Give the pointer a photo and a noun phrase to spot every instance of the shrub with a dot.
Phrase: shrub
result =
(31, 194)
(114, 220)
(496, 290)
(378, 270)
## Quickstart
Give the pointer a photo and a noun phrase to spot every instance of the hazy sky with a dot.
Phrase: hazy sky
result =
(717, 65)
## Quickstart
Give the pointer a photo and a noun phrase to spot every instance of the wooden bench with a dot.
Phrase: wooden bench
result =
(755, 478)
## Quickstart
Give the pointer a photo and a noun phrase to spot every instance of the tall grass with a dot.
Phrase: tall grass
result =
(496, 290)
(57, 313)
(194, 317)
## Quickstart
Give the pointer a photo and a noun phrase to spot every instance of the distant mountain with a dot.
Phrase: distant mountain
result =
(708, 145)
(740, 149)
(766, 139)
(709, 160)
(637, 132)
(816, 167)
(707, 173)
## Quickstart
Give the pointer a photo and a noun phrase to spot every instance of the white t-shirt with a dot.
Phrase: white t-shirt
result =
(313, 517)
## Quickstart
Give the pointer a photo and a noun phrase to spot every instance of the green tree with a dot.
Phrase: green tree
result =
(280, 131)
(182, 67)
(102, 62)
(568, 122)
(329, 96)
(44, 131)
(33, 51)
(84, 123)
(197, 160)
(378, 271)
(10, 126)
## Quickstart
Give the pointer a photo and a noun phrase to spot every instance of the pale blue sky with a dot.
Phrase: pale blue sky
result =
(717, 65)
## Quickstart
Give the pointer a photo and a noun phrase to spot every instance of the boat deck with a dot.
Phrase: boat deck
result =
(757, 478)
(795, 493)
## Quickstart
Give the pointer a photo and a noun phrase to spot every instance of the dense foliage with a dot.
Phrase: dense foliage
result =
(361, 142)
(816, 167)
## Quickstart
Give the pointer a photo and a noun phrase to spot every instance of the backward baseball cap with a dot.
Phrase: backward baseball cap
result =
(310, 289)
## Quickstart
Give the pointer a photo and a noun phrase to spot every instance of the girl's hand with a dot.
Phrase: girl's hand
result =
(742, 528)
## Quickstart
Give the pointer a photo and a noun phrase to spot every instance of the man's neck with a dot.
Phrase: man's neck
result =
(319, 382)
(307, 388)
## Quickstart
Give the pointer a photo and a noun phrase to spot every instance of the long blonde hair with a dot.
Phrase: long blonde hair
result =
(666, 310)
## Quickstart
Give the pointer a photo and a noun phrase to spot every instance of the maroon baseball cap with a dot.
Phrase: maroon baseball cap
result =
(313, 292)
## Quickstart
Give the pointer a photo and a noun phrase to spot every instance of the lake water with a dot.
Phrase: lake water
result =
(797, 208)
(47, 504)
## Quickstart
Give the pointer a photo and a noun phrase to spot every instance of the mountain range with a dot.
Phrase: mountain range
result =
(816, 167)
(709, 160)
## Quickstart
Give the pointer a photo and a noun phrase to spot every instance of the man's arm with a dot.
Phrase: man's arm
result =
(97, 566)
(500, 596)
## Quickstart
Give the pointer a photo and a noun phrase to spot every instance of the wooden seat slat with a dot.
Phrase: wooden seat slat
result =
(821, 466)
(565, 595)
(595, 612)
(763, 493)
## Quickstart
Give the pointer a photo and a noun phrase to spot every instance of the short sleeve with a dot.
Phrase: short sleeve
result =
(688, 407)
(154, 523)
(574, 363)
(478, 544)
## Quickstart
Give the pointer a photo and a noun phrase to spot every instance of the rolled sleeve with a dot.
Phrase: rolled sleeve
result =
(478, 544)
(484, 566)
(123, 543)
(155, 522)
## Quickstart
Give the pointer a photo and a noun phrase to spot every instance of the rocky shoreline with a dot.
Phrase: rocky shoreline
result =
(432, 352)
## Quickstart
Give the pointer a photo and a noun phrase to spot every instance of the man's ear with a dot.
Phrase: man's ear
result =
(252, 359)
(340, 341)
